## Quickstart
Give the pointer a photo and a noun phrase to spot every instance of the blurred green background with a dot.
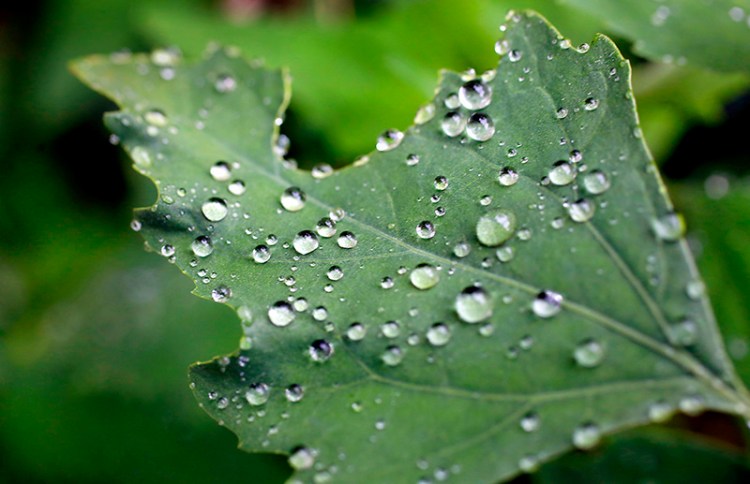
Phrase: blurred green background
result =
(96, 335)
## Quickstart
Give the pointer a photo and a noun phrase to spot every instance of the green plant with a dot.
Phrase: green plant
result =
(557, 303)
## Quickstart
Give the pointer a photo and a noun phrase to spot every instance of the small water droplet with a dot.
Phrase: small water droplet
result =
(167, 250)
(245, 314)
(473, 305)
(528, 463)
(320, 313)
(386, 282)
(692, 405)
(695, 289)
(439, 334)
(586, 436)
(302, 458)
(561, 113)
(596, 182)
(220, 171)
(507, 177)
(412, 160)
(257, 394)
(294, 393)
(453, 124)
(293, 199)
(562, 173)
(221, 294)
(237, 187)
(356, 331)
(424, 114)
(335, 273)
(461, 249)
(530, 422)
(281, 314)
(326, 227)
(156, 117)
(590, 104)
(670, 227)
(684, 333)
(305, 242)
(480, 127)
(392, 356)
(475, 95)
(225, 83)
(581, 210)
(515, 55)
(425, 230)
(661, 411)
(390, 329)
(496, 227)
(347, 240)
(261, 254)
(202, 246)
(321, 170)
(320, 350)
(389, 140)
(424, 276)
(547, 304)
(505, 254)
(589, 353)
(215, 209)
(441, 183)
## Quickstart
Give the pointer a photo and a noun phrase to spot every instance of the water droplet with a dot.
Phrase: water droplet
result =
(562, 173)
(505, 254)
(596, 182)
(590, 104)
(261, 254)
(389, 140)
(320, 313)
(452, 101)
(305, 242)
(392, 356)
(320, 350)
(412, 160)
(581, 210)
(257, 394)
(514, 55)
(589, 353)
(462, 249)
(692, 405)
(670, 227)
(281, 314)
(390, 329)
(225, 83)
(386, 282)
(441, 183)
(245, 314)
(547, 304)
(424, 276)
(684, 333)
(326, 227)
(528, 463)
(496, 227)
(424, 114)
(473, 305)
(300, 304)
(302, 458)
(321, 170)
(695, 289)
(167, 250)
(156, 117)
(475, 95)
(480, 127)
(356, 331)
(294, 393)
(425, 230)
(202, 246)
(237, 187)
(220, 171)
(507, 177)
(347, 240)
(530, 422)
(293, 199)
(335, 273)
(439, 334)
(586, 436)
(660, 411)
(215, 209)
(221, 294)
(561, 113)
(222, 403)
(453, 124)
(502, 47)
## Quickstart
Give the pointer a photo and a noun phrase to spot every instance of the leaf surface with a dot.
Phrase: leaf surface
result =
(477, 327)
(713, 33)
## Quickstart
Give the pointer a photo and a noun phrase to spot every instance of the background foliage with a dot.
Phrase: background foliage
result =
(96, 335)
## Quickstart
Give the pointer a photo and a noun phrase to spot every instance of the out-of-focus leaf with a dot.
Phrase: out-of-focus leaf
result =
(704, 33)
(577, 208)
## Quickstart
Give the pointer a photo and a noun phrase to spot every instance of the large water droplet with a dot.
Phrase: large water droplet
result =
(496, 227)
(475, 95)
(237, 187)
(392, 356)
(581, 210)
(589, 353)
(670, 227)
(596, 182)
(347, 240)
(261, 254)
(462, 249)
(389, 140)
(424, 276)
(326, 227)
(335, 273)
(215, 209)
(294, 393)
(305, 242)
(586, 436)
(257, 394)
(453, 124)
(390, 329)
(473, 305)
(547, 304)
(562, 173)
(281, 314)
(439, 334)
(220, 171)
(202, 246)
(320, 350)
(293, 199)
(480, 127)
(356, 331)
(590, 104)
(425, 230)
(505, 254)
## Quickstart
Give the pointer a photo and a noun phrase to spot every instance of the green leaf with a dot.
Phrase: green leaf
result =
(713, 34)
(534, 326)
